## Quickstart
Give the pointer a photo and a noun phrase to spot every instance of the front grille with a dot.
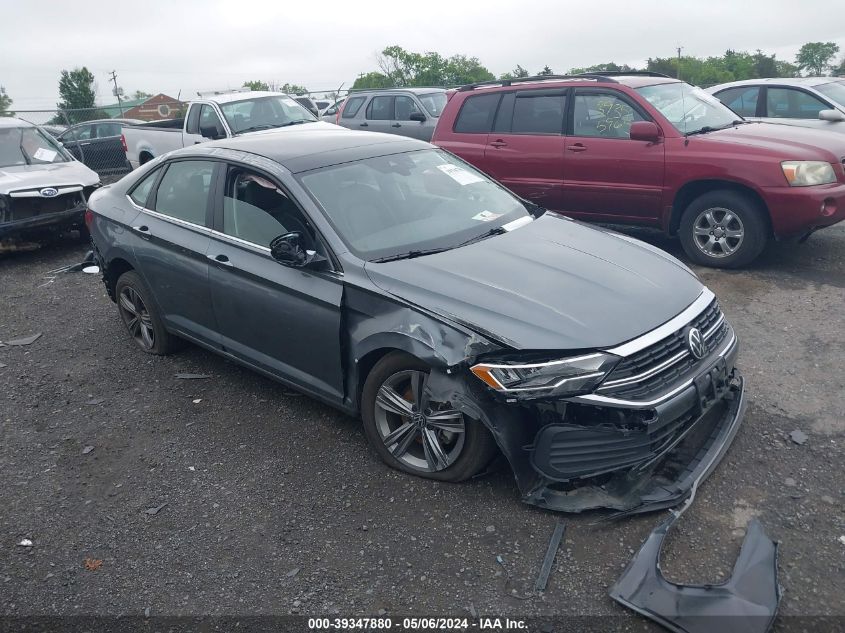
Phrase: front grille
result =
(653, 369)
(18, 209)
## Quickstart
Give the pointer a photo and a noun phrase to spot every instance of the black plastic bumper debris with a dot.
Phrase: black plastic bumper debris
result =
(746, 603)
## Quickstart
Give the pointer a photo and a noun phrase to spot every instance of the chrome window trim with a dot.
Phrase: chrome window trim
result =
(176, 221)
(593, 398)
(239, 241)
(650, 338)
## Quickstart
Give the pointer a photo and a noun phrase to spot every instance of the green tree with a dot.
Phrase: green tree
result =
(371, 80)
(840, 70)
(257, 84)
(407, 68)
(546, 71)
(597, 68)
(765, 65)
(516, 73)
(815, 57)
(5, 103)
(293, 89)
(140, 94)
(76, 88)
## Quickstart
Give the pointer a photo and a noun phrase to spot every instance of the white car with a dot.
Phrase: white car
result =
(817, 102)
(41, 184)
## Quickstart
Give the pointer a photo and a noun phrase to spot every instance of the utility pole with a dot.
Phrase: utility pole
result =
(680, 48)
(117, 92)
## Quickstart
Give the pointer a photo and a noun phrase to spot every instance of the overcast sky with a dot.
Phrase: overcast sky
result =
(192, 45)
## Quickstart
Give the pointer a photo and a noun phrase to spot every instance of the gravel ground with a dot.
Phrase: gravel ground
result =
(234, 496)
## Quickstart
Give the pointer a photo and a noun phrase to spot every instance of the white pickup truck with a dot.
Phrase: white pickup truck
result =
(211, 118)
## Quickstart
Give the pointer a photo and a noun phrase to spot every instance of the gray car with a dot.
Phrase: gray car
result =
(817, 102)
(406, 111)
(390, 279)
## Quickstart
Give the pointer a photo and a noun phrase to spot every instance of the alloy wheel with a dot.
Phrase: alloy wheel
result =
(718, 232)
(424, 435)
(137, 318)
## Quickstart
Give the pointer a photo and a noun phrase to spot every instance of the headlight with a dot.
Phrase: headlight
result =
(565, 377)
(803, 173)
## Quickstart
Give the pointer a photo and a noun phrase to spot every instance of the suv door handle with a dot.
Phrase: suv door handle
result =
(143, 231)
(396, 125)
(221, 259)
(364, 124)
(498, 143)
(577, 147)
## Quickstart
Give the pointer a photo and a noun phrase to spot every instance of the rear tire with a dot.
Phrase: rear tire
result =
(723, 229)
(139, 315)
(426, 439)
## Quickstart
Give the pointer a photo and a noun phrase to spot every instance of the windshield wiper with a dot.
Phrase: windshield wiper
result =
(297, 122)
(411, 254)
(23, 151)
(255, 128)
(710, 128)
(496, 230)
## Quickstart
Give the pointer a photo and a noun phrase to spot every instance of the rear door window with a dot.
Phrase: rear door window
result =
(183, 190)
(476, 115)
(742, 99)
(790, 103)
(380, 108)
(105, 130)
(538, 113)
(141, 192)
(352, 106)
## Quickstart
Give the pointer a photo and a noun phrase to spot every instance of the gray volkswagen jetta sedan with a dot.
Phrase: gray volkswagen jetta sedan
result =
(392, 280)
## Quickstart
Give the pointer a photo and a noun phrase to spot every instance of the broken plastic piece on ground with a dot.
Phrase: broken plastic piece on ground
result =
(548, 561)
(798, 436)
(192, 376)
(2, 365)
(87, 449)
(154, 511)
(24, 340)
(91, 270)
(746, 603)
(25, 543)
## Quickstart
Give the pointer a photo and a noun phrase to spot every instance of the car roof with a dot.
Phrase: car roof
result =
(11, 121)
(229, 97)
(784, 81)
(301, 149)
(417, 90)
(131, 121)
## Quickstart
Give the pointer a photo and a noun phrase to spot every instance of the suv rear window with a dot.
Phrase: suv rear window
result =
(476, 115)
(540, 114)
(352, 106)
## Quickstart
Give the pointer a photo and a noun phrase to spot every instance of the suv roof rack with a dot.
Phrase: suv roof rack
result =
(396, 88)
(516, 80)
(623, 73)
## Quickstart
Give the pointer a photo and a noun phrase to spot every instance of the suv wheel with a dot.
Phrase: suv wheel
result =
(140, 316)
(723, 229)
(416, 435)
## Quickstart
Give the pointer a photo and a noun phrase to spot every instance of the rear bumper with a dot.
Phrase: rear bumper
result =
(796, 211)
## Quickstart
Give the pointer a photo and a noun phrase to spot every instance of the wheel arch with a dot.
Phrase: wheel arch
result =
(112, 272)
(692, 190)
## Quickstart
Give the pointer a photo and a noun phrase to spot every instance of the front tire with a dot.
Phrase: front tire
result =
(139, 315)
(723, 229)
(410, 433)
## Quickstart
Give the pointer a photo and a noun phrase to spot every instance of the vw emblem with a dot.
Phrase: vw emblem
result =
(695, 343)
(49, 192)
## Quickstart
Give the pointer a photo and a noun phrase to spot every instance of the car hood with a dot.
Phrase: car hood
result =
(790, 141)
(17, 177)
(553, 284)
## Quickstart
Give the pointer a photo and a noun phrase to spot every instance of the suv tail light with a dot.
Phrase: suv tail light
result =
(89, 218)
(339, 110)
(123, 144)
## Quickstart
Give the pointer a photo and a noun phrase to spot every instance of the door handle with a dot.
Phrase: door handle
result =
(197, 142)
(578, 147)
(143, 231)
(221, 259)
(364, 124)
(498, 143)
(396, 125)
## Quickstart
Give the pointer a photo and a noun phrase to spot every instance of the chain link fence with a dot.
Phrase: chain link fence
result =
(93, 135)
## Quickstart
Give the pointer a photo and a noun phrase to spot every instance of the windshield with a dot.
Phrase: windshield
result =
(29, 146)
(434, 102)
(392, 205)
(688, 108)
(263, 113)
(835, 90)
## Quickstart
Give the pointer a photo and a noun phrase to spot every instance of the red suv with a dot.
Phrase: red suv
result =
(647, 149)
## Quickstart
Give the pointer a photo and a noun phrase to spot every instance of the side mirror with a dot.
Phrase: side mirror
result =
(212, 132)
(831, 115)
(288, 250)
(644, 131)
(416, 116)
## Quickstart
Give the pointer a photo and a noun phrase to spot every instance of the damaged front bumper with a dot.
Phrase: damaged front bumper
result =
(590, 452)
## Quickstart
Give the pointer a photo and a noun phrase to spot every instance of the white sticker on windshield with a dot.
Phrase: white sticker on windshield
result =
(486, 216)
(47, 155)
(461, 176)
